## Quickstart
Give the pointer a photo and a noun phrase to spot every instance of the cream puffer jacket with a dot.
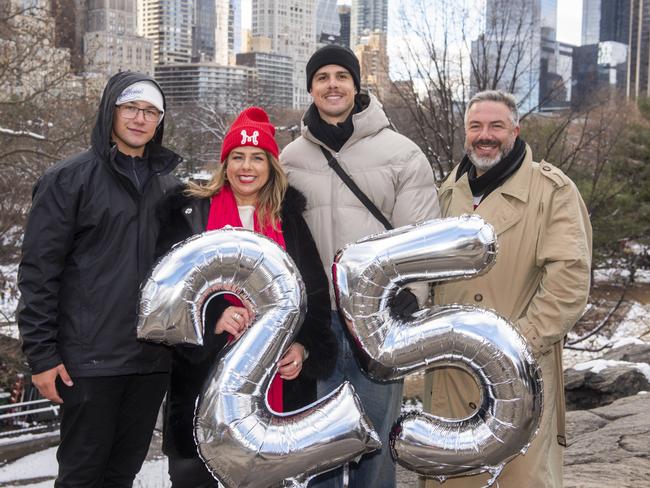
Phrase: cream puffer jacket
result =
(388, 167)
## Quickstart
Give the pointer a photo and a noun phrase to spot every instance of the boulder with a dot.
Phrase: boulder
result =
(598, 383)
(608, 446)
(636, 352)
(582, 422)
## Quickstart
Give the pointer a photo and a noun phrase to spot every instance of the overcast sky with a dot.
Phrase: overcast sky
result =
(569, 21)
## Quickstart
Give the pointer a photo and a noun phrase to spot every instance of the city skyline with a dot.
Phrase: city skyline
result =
(209, 33)
(569, 22)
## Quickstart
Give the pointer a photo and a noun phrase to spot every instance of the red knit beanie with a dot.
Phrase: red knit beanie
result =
(250, 128)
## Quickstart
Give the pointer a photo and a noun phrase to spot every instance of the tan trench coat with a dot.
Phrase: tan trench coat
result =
(540, 282)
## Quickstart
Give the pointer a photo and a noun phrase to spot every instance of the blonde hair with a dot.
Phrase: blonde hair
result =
(269, 198)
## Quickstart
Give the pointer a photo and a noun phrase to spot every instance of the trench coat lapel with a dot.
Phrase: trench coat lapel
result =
(461, 201)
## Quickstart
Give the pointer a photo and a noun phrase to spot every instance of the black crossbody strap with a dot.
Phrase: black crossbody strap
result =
(349, 182)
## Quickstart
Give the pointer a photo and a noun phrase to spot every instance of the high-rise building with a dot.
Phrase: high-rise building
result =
(274, 77)
(34, 67)
(101, 36)
(168, 23)
(514, 19)
(70, 27)
(615, 21)
(290, 26)
(223, 88)
(638, 62)
(235, 32)
(591, 21)
(204, 34)
(373, 59)
(548, 19)
(367, 16)
(328, 25)
(605, 20)
(555, 77)
(601, 62)
(510, 51)
(217, 31)
(598, 67)
(224, 50)
(111, 43)
(344, 20)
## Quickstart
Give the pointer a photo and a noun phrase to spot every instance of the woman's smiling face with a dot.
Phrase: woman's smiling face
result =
(247, 171)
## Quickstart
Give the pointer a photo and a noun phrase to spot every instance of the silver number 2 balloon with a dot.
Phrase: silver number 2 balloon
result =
(368, 273)
(242, 442)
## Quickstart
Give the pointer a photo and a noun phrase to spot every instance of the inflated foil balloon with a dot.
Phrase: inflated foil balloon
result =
(242, 442)
(369, 273)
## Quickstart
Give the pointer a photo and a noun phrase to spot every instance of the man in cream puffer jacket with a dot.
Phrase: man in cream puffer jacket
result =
(396, 176)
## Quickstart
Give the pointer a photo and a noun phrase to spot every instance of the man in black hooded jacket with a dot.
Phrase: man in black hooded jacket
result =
(89, 243)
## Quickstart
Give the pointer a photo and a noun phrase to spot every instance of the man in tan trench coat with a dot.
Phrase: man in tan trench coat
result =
(540, 281)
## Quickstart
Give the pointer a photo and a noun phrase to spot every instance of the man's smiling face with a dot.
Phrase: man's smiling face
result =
(333, 91)
(489, 134)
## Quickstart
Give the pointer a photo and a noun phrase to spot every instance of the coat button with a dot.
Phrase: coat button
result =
(478, 297)
(188, 211)
(546, 168)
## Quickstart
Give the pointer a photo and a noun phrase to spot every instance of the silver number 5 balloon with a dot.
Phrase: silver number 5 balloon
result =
(368, 273)
(242, 442)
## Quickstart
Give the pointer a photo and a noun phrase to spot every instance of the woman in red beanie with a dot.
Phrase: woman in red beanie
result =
(248, 190)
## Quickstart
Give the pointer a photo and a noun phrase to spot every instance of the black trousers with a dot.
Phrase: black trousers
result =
(190, 473)
(106, 429)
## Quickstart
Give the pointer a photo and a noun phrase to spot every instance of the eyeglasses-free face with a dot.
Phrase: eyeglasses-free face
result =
(129, 111)
(247, 169)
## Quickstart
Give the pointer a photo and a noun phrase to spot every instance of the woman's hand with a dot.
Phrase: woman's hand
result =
(290, 365)
(233, 320)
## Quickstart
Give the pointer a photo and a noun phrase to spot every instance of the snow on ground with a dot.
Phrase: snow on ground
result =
(43, 464)
(634, 327)
(44, 484)
(636, 323)
(411, 404)
(614, 275)
(12, 237)
(26, 133)
(25, 438)
(625, 341)
(153, 475)
(8, 298)
(598, 365)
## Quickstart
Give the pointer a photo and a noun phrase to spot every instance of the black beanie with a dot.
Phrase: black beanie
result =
(334, 54)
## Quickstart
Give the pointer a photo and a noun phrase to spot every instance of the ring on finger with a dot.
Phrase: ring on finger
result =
(295, 363)
(236, 316)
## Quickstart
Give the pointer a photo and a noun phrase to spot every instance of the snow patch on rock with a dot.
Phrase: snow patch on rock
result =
(598, 365)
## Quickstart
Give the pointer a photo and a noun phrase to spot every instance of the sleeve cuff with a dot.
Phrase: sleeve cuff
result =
(44, 365)
(535, 342)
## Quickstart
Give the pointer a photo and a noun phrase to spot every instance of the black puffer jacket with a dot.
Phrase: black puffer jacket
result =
(183, 217)
(89, 243)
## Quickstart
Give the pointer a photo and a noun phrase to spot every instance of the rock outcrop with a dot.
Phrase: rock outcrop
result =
(609, 446)
(599, 383)
(636, 352)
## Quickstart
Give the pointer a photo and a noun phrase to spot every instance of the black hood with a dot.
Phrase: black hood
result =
(101, 135)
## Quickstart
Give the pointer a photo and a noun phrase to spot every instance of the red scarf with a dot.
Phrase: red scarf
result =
(224, 211)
